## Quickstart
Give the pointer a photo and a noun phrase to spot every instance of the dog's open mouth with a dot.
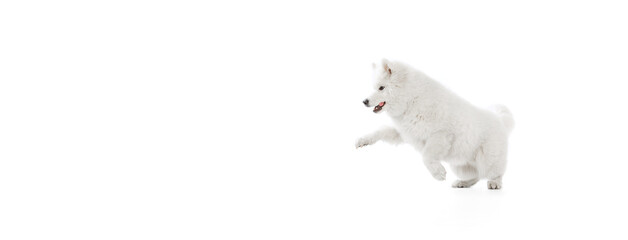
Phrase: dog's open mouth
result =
(379, 107)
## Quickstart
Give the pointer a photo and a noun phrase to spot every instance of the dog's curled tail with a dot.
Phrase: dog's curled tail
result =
(506, 116)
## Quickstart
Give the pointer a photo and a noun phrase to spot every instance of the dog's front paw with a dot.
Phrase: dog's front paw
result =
(438, 171)
(440, 176)
(364, 141)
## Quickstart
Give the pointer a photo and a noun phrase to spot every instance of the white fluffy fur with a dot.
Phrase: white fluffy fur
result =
(441, 125)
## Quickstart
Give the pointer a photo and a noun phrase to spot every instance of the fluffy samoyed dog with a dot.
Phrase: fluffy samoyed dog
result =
(442, 126)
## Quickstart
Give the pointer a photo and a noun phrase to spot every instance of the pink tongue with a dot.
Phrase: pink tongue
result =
(381, 104)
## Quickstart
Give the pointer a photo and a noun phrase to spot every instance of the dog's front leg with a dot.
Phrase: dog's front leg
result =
(435, 149)
(386, 134)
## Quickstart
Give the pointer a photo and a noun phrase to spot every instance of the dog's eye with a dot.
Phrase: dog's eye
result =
(381, 88)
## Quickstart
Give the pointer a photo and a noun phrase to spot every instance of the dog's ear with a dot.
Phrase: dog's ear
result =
(386, 65)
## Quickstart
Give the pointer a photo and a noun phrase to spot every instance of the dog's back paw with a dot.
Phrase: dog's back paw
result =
(494, 184)
(464, 184)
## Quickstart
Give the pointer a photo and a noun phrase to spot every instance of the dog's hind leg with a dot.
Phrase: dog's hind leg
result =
(491, 161)
(495, 183)
(495, 170)
(464, 183)
(467, 173)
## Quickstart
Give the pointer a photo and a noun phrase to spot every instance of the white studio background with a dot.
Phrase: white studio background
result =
(236, 120)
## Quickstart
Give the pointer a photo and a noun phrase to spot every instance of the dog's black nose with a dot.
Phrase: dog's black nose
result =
(366, 102)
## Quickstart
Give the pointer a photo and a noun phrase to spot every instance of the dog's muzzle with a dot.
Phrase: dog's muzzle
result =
(379, 107)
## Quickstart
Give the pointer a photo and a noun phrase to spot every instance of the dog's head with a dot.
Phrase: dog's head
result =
(389, 78)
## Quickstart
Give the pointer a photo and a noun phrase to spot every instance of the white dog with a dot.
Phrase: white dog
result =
(441, 125)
